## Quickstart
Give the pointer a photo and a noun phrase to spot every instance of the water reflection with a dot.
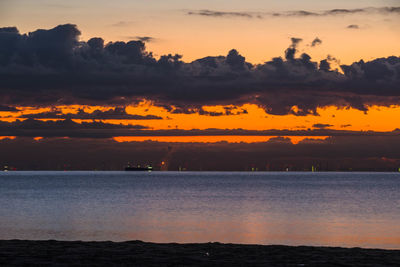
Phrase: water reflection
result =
(333, 209)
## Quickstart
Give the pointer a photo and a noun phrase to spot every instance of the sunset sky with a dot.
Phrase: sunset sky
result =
(177, 26)
(199, 71)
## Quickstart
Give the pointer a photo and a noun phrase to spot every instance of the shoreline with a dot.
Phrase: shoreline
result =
(219, 171)
(98, 253)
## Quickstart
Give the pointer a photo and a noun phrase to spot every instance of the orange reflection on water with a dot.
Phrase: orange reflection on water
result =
(273, 229)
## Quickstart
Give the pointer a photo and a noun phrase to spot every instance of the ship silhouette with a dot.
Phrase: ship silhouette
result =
(129, 167)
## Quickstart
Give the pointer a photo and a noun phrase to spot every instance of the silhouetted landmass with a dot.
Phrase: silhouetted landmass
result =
(137, 253)
(338, 153)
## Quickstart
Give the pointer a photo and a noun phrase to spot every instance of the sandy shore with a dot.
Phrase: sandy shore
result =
(137, 253)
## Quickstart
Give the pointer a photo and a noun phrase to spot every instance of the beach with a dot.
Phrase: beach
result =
(138, 253)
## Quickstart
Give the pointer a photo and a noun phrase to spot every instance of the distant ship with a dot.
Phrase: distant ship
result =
(138, 168)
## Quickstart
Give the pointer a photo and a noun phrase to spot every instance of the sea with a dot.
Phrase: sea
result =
(346, 209)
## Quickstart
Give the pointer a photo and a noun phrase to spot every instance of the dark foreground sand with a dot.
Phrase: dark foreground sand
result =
(137, 253)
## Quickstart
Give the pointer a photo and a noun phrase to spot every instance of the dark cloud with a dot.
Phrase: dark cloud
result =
(291, 51)
(145, 39)
(213, 13)
(336, 12)
(322, 125)
(63, 124)
(297, 13)
(342, 11)
(111, 114)
(316, 42)
(11, 30)
(383, 10)
(65, 128)
(227, 111)
(353, 26)
(324, 65)
(7, 108)
(98, 129)
(50, 67)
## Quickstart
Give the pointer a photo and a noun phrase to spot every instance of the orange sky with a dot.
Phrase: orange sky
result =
(214, 139)
(376, 119)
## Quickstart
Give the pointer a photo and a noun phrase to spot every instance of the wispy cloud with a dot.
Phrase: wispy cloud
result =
(213, 13)
(121, 23)
(316, 42)
(353, 26)
(295, 13)
(146, 39)
(322, 125)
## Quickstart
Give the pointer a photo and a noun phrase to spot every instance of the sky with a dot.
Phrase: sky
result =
(196, 36)
(190, 73)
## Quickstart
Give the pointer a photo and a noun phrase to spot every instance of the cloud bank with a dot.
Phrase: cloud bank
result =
(112, 114)
(53, 67)
(97, 129)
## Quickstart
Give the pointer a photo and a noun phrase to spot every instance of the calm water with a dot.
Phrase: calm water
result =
(335, 209)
